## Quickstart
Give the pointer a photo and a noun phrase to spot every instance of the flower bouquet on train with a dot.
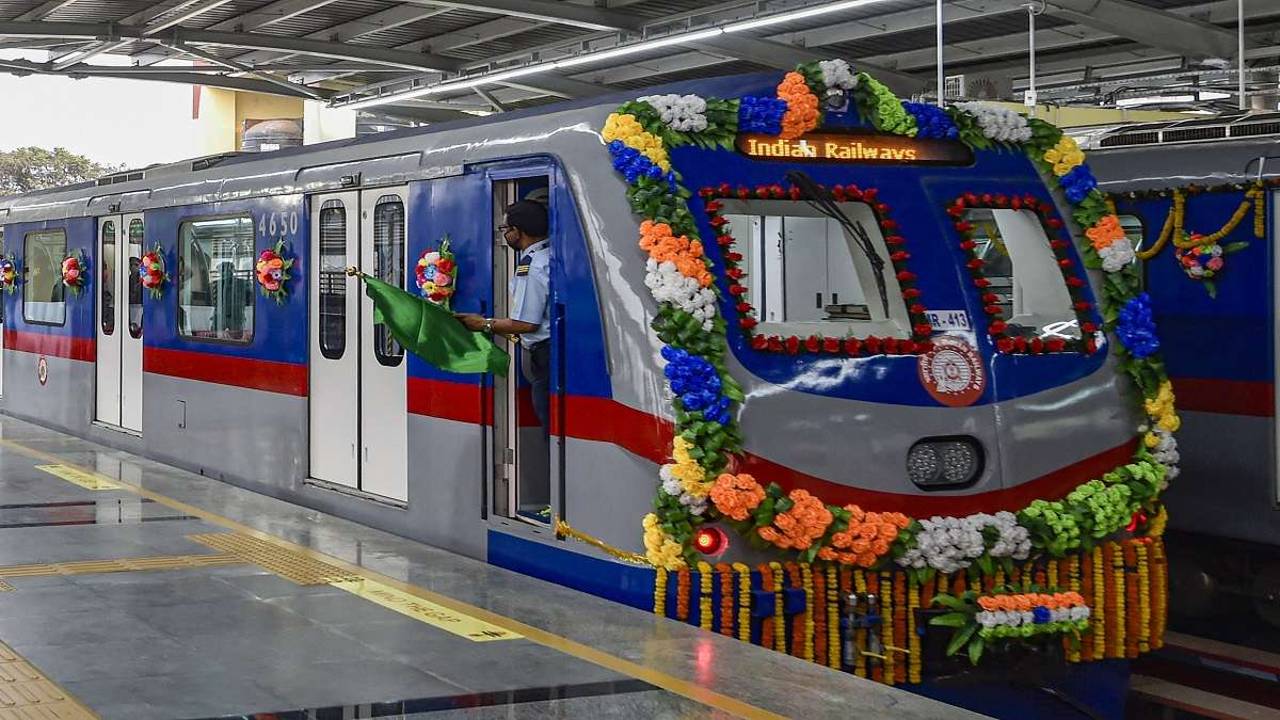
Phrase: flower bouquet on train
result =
(980, 620)
(74, 274)
(437, 274)
(152, 273)
(9, 274)
(272, 270)
(1202, 259)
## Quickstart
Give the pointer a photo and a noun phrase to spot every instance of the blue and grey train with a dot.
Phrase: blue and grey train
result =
(303, 397)
(1219, 348)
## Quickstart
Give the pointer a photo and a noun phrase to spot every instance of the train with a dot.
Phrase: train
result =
(1212, 181)
(831, 372)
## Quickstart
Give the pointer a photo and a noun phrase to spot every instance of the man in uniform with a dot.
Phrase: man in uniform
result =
(525, 231)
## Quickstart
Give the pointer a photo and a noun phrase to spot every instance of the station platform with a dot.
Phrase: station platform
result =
(133, 590)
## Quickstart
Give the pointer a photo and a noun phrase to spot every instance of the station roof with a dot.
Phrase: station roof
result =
(434, 60)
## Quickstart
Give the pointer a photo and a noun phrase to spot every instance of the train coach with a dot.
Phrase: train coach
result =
(863, 391)
(1199, 197)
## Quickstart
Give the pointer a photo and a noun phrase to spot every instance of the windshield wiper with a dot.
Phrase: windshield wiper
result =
(820, 200)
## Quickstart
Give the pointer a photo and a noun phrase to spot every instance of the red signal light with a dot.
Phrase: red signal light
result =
(710, 541)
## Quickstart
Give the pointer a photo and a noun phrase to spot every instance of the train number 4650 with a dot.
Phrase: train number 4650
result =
(273, 224)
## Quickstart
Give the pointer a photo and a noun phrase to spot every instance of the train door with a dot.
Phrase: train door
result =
(358, 418)
(522, 479)
(334, 345)
(119, 322)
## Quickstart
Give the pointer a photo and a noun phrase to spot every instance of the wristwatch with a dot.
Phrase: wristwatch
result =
(488, 325)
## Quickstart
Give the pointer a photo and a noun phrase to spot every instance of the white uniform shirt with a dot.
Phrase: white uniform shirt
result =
(530, 292)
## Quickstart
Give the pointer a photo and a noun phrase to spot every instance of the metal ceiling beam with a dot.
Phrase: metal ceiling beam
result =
(561, 13)
(420, 114)
(489, 98)
(177, 76)
(302, 46)
(1149, 26)
(265, 77)
(786, 57)
(271, 14)
(558, 85)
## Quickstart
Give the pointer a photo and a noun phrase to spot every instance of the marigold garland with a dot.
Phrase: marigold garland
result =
(660, 592)
(914, 662)
(887, 627)
(1134, 614)
(726, 598)
(859, 633)
(682, 594)
(779, 608)
(802, 106)
(833, 618)
(810, 622)
(819, 615)
(1144, 598)
(704, 596)
(744, 601)
(766, 623)
(900, 626)
(797, 630)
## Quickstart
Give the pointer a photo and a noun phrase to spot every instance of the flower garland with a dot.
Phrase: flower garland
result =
(73, 272)
(9, 274)
(152, 273)
(272, 270)
(436, 274)
(680, 275)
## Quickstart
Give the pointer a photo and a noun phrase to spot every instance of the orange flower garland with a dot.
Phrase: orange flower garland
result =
(799, 527)
(779, 619)
(914, 661)
(735, 496)
(820, 617)
(797, 621)
(766, 624)
(833, 618)
(1105, 232)
(744, 601)
(859, 634)
(664, 246)
(887, 633)
(802, 106)
(900, 624)
(866, 540)
(726, 599)
(1131, 600)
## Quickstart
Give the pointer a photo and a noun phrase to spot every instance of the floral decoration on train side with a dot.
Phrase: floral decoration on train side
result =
(436, 273)
(152, 273)
(1203, 256)
(272, 270)
(9, 273)
(700, 483)
(73, 272)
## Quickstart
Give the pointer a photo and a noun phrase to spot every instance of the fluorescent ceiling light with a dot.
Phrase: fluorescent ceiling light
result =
(586, 58)
(1155, 100)
(1213, 95)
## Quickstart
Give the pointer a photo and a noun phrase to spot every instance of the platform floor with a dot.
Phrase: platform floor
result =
(132, 590)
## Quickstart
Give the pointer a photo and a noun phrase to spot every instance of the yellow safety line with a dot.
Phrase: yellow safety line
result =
(657, 678)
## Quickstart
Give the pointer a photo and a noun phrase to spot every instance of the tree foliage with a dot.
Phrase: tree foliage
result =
(33, 168)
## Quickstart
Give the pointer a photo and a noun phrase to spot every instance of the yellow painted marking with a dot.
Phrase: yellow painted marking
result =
(84, 478)
(90, 567)
(6, 587)
(289, 565)
(426, 611)
(26, 694)
(670, 683)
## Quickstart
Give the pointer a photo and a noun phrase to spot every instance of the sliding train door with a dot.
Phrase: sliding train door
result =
(358, 417)
(384, 419)
(334, 340)
(119, 322)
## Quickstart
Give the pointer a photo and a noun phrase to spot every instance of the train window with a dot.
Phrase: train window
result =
(43, 297)
(107, 278)
(388, 259)
(807, 272)
(1024, 273)
(1133, 229)
(333, 280)
(215, 279)
(135, 282)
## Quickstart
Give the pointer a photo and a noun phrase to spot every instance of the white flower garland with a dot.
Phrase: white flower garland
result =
(1166, 453)
(683, 113)
(998, 123)
(948, 544)
(1117, 255)
(669, 286)
(837, 75)
(1014, 618)
(672, 486)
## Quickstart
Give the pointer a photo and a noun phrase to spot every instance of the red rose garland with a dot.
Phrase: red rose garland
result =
(921, 330)
(1060, 242)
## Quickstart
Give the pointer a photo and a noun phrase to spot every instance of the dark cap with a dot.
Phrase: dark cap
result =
(528, 217)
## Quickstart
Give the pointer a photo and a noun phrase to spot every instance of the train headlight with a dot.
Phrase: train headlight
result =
(944, 462)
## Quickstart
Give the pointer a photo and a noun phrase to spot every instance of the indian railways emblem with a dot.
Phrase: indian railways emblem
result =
(952, 372)
(42, 370)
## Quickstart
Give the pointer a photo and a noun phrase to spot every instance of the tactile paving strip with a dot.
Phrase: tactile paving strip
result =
(86, 567)
(26, 694)
(295, 566)
(6, 587)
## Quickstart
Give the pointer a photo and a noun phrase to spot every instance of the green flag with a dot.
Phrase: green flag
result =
(431, 332)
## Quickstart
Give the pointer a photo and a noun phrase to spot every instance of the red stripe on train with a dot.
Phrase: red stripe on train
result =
(268, 375)
(605, 420)
(63, 346)
(1230, 397)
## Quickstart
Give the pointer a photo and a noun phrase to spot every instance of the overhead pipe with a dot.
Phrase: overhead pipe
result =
(1034, 99)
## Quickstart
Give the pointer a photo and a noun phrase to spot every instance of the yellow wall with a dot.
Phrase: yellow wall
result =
(223, 112)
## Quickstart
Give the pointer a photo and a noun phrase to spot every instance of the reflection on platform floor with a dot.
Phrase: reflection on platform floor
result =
(133, 590)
